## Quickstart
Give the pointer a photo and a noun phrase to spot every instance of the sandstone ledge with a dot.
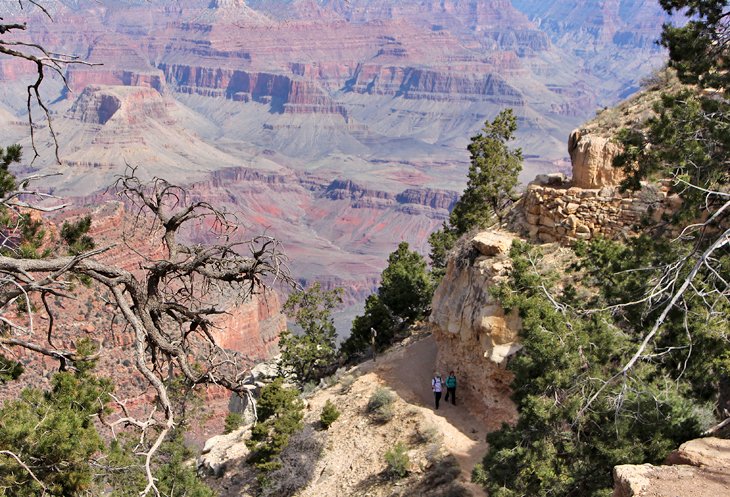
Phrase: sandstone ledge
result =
(702, 469)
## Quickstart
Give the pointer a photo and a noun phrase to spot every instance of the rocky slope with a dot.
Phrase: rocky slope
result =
(348, 459)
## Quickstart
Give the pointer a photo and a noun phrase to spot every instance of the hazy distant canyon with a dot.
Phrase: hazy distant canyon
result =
(338, 126)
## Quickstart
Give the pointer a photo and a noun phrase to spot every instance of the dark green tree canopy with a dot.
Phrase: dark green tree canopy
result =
(312, 354)
(405, 287)
(493, 175)
(492, 179)
(404, 295)
(699, 50)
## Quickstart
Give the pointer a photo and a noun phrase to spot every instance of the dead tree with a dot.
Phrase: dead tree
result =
(169, 305)
(43, 59)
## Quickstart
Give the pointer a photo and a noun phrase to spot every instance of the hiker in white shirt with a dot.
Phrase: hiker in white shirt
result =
(437, 386)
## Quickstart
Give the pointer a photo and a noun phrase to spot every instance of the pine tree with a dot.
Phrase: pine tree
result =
(403, 297)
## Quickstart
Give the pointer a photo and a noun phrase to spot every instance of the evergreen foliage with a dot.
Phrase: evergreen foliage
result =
(492, 179)
(233, 421)
(53, 433)
(311, 355)
(397, 460)
(553, 449)
(378, 317)
(405, 287)
(9, 369)
(8, 156)
(280, 412)
(403, 297)
(596, 388)
(76, 236)
(329, 415)
(699, 49)
(174, 473)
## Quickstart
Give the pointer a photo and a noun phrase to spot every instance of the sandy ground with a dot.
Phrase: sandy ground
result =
(408, 370)
(351, 460)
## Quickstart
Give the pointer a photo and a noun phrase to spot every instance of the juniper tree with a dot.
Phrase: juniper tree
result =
(492, 178)
(403, 296)
(311, 354)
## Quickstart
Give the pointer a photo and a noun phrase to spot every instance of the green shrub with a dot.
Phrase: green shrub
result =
(329, 415)
(397, 460)
(380, 406)
(280, 415)
(233, 421)
(379, 398)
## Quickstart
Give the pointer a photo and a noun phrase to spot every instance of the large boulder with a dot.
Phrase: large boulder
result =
(592, 158)
(475, 335)
(698, 468)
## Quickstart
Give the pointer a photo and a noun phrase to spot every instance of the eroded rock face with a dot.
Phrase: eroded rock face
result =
(222, 450)
(474, 335)
(592, 157)
(129, 105)
(698, 468)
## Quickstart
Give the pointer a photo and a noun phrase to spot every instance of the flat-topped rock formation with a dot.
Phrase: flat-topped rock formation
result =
(699, 468)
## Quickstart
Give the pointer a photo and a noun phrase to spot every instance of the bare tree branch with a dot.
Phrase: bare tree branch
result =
(25, 467)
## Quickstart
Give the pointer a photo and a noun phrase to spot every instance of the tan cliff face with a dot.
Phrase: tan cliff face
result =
(475, 336)
(698, 468)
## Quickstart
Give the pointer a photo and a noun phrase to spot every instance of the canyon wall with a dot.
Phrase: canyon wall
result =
(351, 119)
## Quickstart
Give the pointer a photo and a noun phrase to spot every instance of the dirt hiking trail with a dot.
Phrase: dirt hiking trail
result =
(408, 371)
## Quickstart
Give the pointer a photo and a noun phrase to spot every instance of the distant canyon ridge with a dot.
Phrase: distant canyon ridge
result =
(338, 126)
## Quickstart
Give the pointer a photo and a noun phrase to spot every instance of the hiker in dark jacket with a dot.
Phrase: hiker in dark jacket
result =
(451, 388)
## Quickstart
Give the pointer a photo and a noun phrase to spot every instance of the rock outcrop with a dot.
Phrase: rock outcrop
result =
(591, 203)
(699, 468)
(474, 334)
(129, 104)
(592, 158)
(222, 450)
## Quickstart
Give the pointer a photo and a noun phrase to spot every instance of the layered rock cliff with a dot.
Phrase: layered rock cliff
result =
(382, 94)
